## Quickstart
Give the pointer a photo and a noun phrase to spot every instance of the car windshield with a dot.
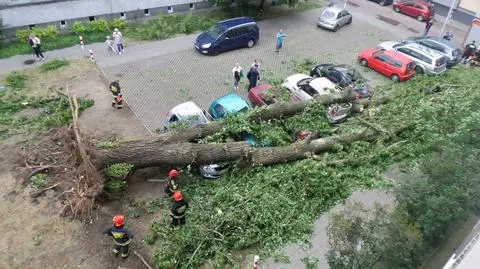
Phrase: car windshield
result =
(456, 52)
(304, 82)
(215, 31)
(327, 14)
(397, 45)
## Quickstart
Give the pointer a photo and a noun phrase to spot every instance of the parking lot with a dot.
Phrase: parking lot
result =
(153, 85)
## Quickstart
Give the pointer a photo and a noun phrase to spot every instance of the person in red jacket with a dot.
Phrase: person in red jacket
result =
(179, 209)
(172, 182)
(121, 236)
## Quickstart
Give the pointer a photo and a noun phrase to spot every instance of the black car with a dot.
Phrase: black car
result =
(345, 76)
(383, 2)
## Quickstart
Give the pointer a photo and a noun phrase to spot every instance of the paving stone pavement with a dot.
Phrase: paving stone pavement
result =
(152, 86)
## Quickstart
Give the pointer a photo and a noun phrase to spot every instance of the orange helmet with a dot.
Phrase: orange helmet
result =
(119, 220)
(177, 196)
(173, 173)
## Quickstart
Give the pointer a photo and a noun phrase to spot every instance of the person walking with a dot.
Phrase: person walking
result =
(237, 75)
(253, 77)
(280, 39)
(111, 49)
(428, 25)
(35, 43)
(121, 236)
(172, 182)
(179, 209)
(469, 49)
(117, 94)
(118, 37)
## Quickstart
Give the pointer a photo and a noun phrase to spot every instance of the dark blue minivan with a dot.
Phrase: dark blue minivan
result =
(228, 35)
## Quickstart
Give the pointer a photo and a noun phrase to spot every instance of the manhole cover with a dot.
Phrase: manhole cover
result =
(388, 20)
(28, 62)
(353, 4)
(413, 30)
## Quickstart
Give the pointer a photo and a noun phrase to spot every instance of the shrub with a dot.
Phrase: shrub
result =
(118, 170)
(98, 26)
(78, 28)
(38, 181)
(51, 31)
(115, 187)
(54, 65)
(117, 23)
(22, 34)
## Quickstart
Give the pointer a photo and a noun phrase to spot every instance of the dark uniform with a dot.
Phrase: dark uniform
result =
(469, 49)
(117, 94)
(179, 209)
(171, 185)
(122, 238)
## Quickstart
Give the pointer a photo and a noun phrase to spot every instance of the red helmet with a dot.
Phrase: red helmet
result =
(119, 220)
(177, 196)
(173, 173)
(303, 134)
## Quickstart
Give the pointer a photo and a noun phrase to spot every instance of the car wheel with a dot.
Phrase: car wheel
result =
(395, 78)
(397, 9)
(251, 43)
(382, 2)
(349, 20)
(335, 28)
(418, 70)
(363, 62)
(420, 18)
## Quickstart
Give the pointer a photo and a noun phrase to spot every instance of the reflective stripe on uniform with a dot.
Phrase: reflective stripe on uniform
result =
(124, 243)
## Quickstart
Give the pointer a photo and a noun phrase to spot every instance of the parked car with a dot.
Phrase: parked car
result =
(383, 2)
(427, 61)
(415, 8)
(440, 45)
(257, 96)
(230, 103)
(189, 111)
(333, 18)
(392, 64)
(305, 87)
(228, 35)
(344, 76)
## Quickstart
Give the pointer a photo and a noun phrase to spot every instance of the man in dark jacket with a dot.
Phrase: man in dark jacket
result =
(253, 76)
(117, 94)
(179, 209)
(172, 182)
(120, 234)
(469, 50)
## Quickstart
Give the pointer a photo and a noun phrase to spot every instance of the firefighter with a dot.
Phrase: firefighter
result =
(172, 182)
(179, 209)
(117, 94)
(120, 234)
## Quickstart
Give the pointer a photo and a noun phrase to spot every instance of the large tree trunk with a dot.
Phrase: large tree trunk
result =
(146, 154)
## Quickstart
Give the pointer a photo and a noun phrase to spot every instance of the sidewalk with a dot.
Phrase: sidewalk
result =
(366, 11)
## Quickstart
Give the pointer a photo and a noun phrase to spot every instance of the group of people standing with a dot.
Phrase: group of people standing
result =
(115, 45)
(253, 75)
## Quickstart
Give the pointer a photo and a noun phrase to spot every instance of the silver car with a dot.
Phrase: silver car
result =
(427, 61)
(440, 45)
(333, 18)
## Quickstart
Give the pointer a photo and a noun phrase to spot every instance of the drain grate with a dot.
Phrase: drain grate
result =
(28, 62)
(388, 20)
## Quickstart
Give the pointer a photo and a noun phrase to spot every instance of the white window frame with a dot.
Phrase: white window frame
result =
(170, 9)
(146, 12)
(63, 25)
(124, 17)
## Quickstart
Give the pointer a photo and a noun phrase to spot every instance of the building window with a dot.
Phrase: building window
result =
(146, 12)
(123, 15)
(31, 26)
(192, 6)
(91, 18)
(63, 24)
(170, 9)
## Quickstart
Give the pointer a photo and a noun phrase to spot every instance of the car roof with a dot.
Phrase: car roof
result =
(235, 22)
(232, 102)
(186, 110)
(397, 56)
(423, 49)
(320, 83)
(442, 41)
(261, 89)
(334, 9)
(296, 78)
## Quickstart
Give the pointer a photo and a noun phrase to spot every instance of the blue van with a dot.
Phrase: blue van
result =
(228, 35)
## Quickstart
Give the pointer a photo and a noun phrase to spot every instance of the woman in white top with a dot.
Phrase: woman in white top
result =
(118, 37)
(237, 75)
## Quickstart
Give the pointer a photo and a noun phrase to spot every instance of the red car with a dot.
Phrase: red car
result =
(388, 62)
(257, 96)
(415, 8)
